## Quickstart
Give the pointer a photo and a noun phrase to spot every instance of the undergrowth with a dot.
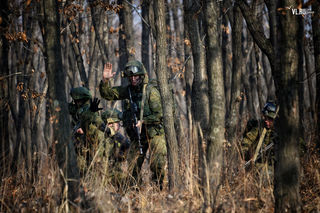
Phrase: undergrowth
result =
(240, 191)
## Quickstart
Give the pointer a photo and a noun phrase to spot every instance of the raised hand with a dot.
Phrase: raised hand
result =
(107, 71)
(94, 105)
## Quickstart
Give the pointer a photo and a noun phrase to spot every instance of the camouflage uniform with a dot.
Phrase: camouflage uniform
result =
(93, 140)
(251, 138)
(119, 143)
(152, 132)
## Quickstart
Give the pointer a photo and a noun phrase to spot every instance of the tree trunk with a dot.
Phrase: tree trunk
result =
(145, 37)
(286, 187)
(310, 85)
(177, 30)
(254, 102)
(233, 116)
(216, 137)
(287, 168)
(126, 38)
(226, 60)
(200, 102)
(77, 51)
(301, 74)
(316, 41)
(187, 151)
(175, 64)
(98, 28)
(4, 91)
(166, 95)
(56, 95)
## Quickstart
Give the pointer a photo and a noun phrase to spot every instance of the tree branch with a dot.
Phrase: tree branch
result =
(256, 30)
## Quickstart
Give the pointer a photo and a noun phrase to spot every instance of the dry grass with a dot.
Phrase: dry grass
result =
(240, 191)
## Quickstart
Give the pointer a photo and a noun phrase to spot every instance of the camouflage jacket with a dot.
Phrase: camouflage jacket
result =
(251, 138)
(89, 121)
(152, 111)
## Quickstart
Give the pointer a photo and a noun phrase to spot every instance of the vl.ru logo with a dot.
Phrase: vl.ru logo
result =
(302, 11)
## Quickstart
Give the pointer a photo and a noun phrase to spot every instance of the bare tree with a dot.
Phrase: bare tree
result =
(57, 98)
(316, 41)
(4, 89)
(233, 116)
(126, 38)
(287, 169)
(200, 102)
(216, 134)
(187, 150)
(166, 94)
(97, 11)
(145, 37)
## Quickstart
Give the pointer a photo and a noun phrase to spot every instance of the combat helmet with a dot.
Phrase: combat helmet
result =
(80, 93)
(270, 110)
(111, 116)
(133, 68)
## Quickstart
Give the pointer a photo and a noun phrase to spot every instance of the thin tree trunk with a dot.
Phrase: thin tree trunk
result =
(316, 42)
(177, 30)
(226, 61)
(174, 67)
(98, 29)
(233, 116)
(77, 51)
(126, 43)
(187, 156)
(253, 86)
(309, 68)
(216, 137)
(4, 91)
(145, 37)
(92, 61)
(301, 74)
(166, 95)
(200, 102)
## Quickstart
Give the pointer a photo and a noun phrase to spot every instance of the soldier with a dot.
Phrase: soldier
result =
(88, 126)
(259, 138)
(146, 109)
(120, 144)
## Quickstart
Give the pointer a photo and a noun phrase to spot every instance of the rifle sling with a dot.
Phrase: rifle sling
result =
(263, 134)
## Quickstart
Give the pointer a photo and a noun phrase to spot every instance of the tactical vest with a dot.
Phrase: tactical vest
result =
(152, 129)
(137, 98)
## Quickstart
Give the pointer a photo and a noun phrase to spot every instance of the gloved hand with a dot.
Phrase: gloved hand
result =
(94, 105)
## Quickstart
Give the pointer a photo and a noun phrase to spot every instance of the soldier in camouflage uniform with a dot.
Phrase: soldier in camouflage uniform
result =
(253, 134)
(120, 144)
(88, 127)
(151, 125)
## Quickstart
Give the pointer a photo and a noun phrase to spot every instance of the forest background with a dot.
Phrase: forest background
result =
(219, 60)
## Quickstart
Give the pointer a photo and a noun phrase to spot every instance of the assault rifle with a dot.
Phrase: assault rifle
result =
(249, 162)
(134, 110)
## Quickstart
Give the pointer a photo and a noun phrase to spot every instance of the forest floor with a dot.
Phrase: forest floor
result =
(240, 192)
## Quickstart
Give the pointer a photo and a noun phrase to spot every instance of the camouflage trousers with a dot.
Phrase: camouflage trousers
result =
(157, 155)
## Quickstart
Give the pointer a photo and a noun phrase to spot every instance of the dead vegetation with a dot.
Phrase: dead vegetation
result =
(240, 191)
